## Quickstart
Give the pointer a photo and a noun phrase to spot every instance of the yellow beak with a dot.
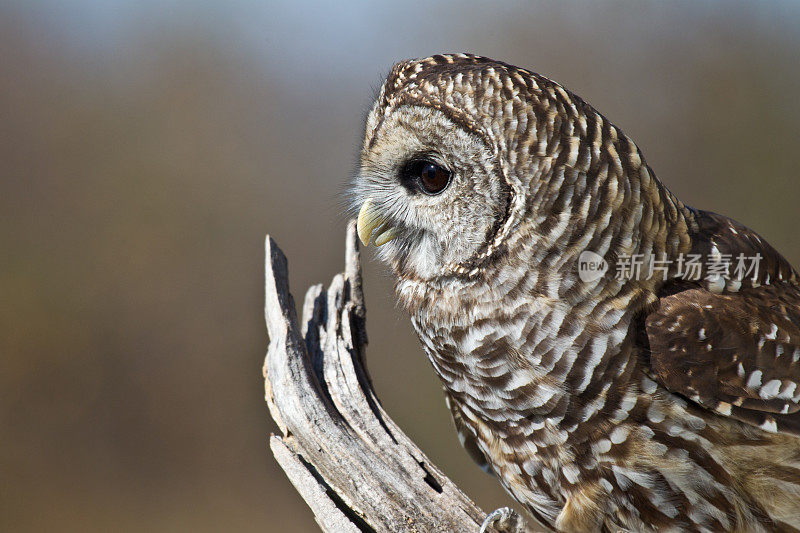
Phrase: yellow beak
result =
(371, 220)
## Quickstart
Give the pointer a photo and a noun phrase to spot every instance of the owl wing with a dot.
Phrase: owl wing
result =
(737, 353)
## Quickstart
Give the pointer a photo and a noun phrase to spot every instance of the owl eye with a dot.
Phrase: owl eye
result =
(432, 178)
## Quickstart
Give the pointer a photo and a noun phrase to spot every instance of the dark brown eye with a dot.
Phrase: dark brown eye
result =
(432, 178)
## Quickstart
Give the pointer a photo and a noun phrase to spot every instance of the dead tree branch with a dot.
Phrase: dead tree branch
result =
(354, 467)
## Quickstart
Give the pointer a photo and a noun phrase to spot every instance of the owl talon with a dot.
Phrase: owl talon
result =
(503, 520)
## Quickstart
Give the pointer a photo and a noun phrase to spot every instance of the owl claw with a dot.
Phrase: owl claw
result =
(504, 520)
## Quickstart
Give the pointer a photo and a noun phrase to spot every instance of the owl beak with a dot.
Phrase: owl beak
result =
(371, 220)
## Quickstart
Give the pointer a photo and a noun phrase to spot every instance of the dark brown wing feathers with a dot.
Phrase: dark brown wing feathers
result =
(737, 353)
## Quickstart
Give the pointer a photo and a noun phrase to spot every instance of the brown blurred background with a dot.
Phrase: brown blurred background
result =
(147, 146)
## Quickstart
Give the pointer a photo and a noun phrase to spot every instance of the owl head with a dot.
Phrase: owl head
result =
(463, 154)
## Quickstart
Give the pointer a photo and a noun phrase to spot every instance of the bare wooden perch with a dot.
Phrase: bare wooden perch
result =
(350, 462)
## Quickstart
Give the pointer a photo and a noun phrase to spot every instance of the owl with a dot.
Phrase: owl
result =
(619, 360)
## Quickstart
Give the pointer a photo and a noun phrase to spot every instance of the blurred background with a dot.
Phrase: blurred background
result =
(147, 146)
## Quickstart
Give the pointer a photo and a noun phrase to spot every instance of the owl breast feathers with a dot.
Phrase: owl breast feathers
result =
(619, 360)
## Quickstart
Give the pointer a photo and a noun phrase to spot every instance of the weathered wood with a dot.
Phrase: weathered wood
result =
(350, 462)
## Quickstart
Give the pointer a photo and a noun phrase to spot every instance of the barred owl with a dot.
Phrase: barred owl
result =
(603, 398)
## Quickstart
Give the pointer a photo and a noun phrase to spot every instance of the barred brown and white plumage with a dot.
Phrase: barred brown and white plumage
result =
(641, 403)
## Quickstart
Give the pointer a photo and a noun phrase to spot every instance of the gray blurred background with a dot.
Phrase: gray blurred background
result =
(146, 147)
